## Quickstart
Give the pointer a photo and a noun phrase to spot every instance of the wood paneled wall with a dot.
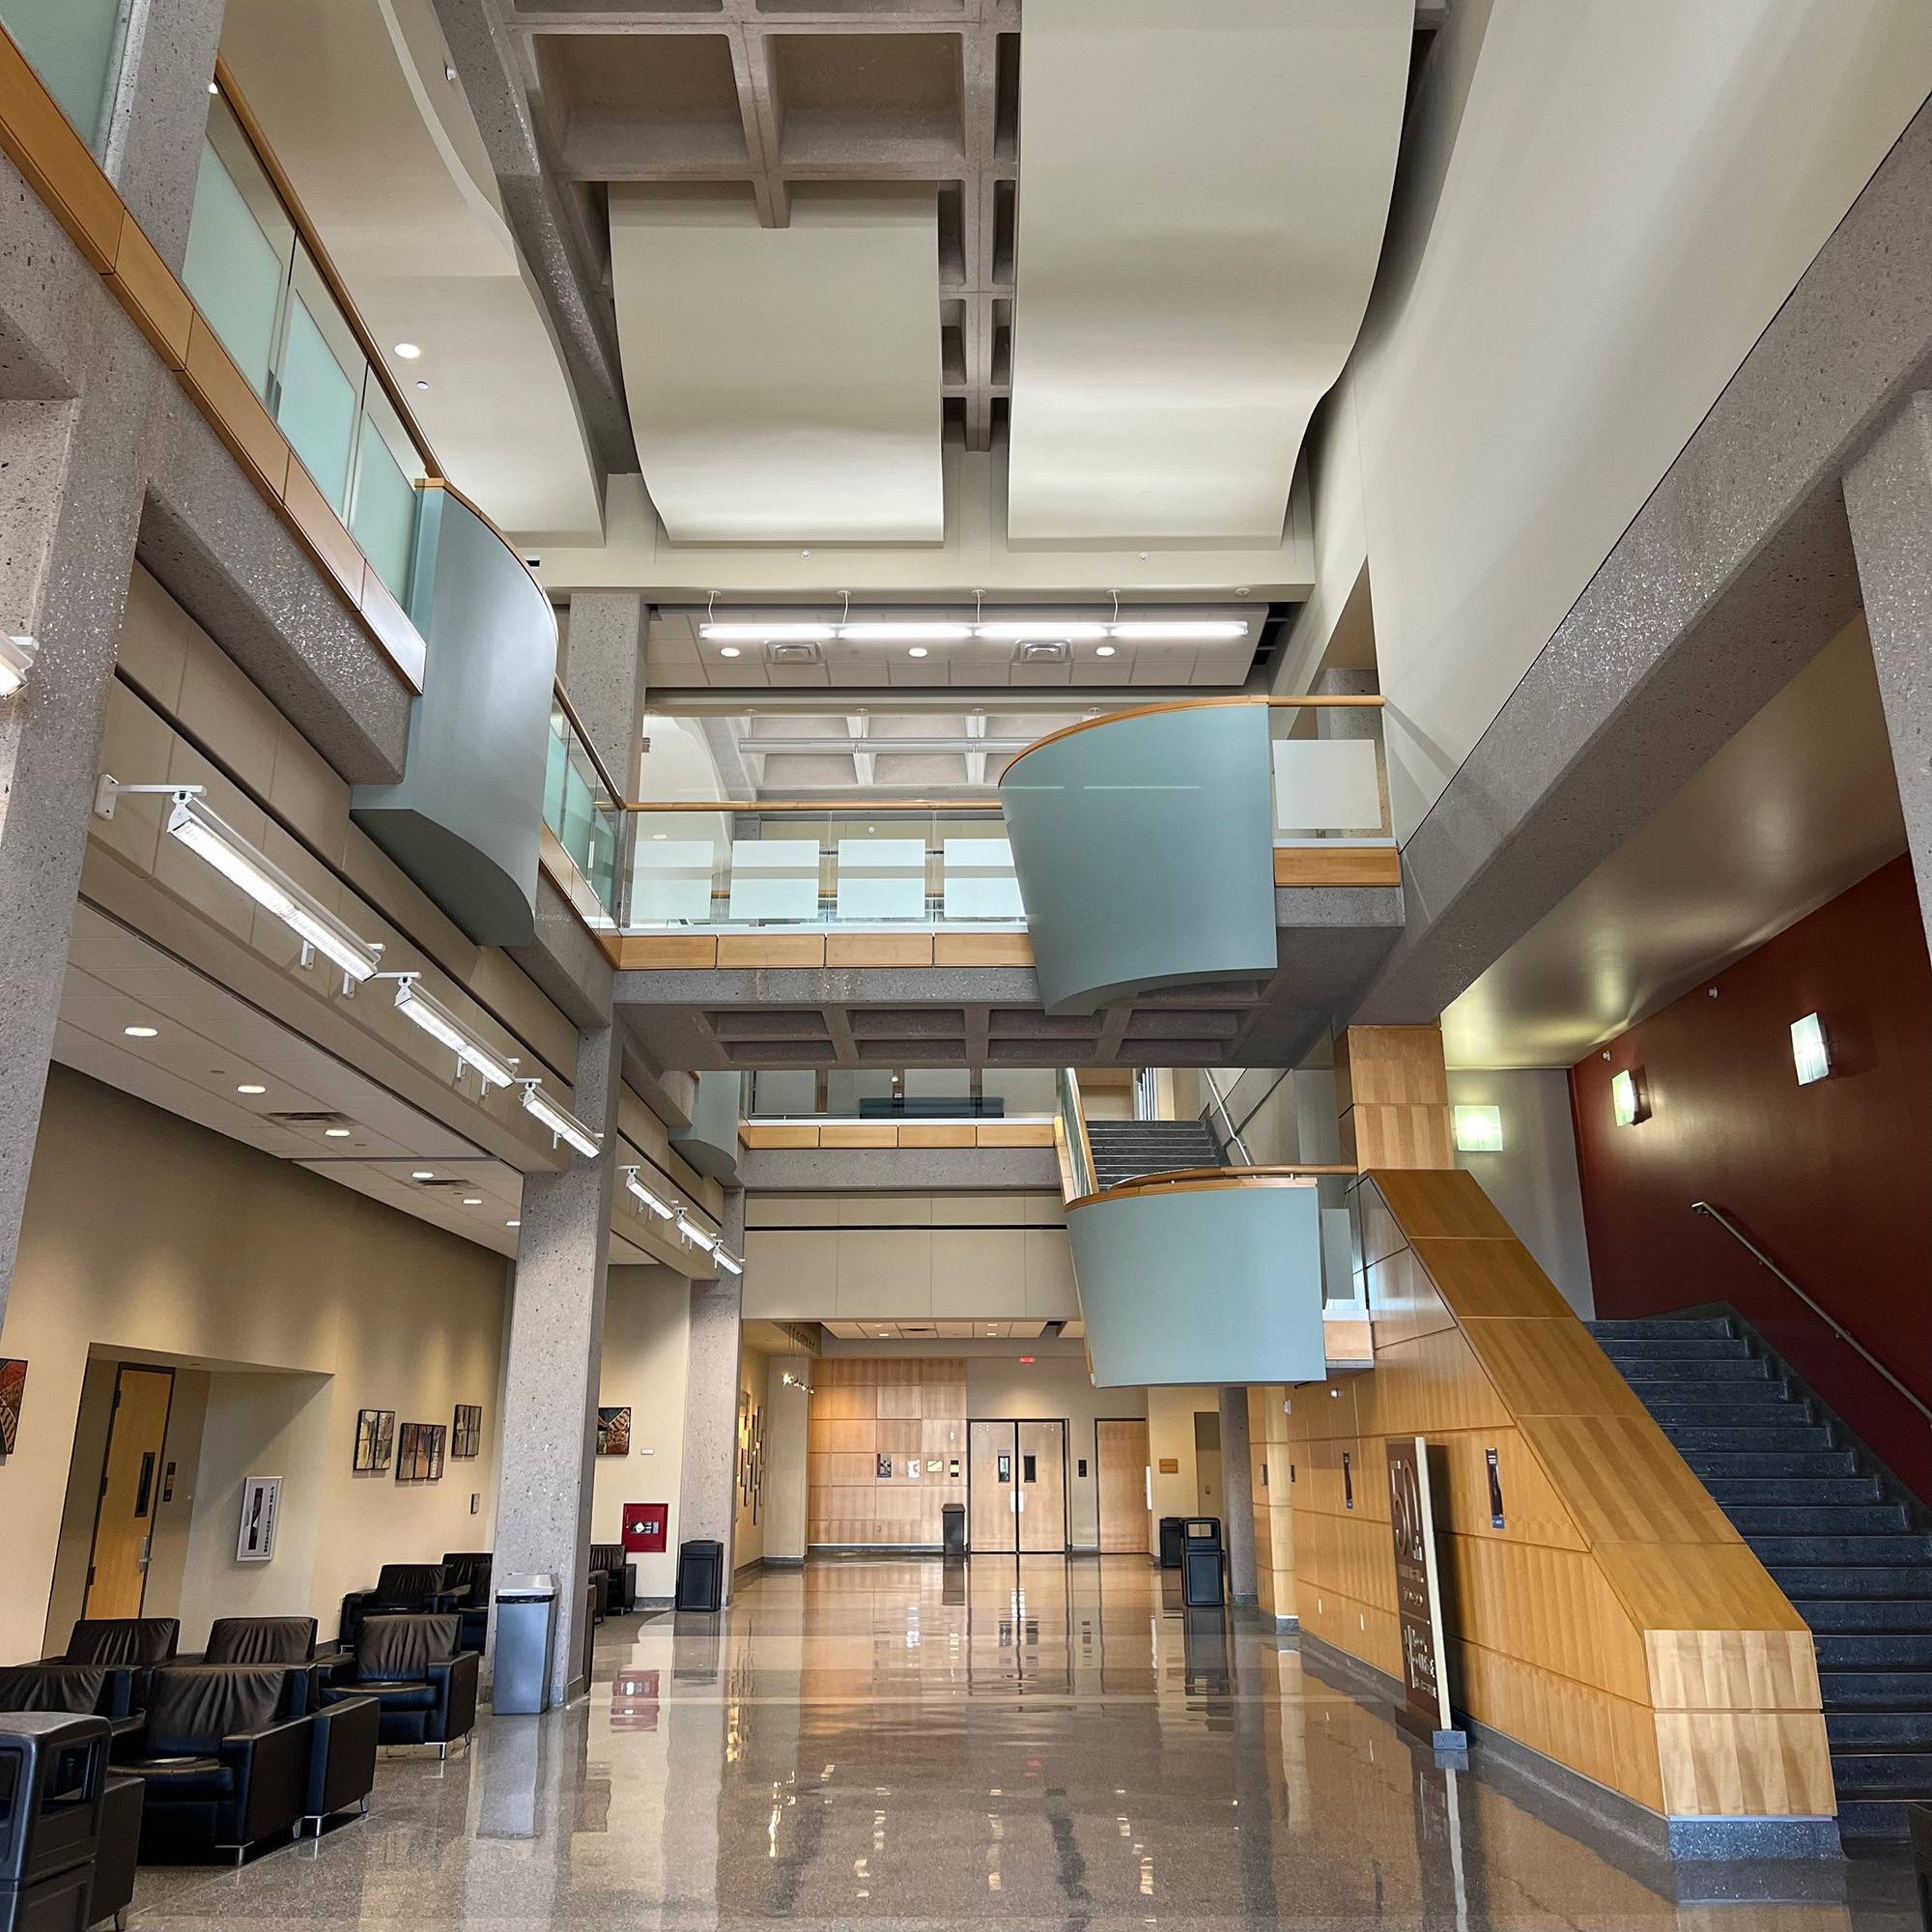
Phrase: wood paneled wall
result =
(1615, 1622)
(911, 1409)
(1392, 1098)
(1269, 1455)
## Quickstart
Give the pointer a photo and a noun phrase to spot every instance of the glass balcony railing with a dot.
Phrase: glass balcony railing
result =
(1079, 1178)
(76, 46)
(900, 1093)
(582, 806)
(263, 288)
(1327, 789)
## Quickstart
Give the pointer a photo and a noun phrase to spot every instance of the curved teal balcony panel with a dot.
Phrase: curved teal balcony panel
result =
(466, 822)
(710, 1144)
(1213, 1286)
(1145, 849)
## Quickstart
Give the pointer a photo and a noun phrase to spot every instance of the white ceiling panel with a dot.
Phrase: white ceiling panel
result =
(784, 382)
(1201, 213)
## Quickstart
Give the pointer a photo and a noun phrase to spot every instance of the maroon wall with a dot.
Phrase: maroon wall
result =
(1832, 1181)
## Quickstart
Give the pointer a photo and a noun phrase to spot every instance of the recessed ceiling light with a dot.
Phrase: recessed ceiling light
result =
(422, 386)
(731, 651)
(1104, 650)
(473, 1200)
(513, 1224)
(422, 1174)
(336, 1133)
(214, 86)
(917, 651)
(249, 1086)
(408, 351)
(659, 834)
(140, 1033)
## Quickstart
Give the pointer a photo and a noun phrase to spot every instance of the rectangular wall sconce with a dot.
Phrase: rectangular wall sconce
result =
(696, 1235)
(1626, 1104)
(439, 1023)
(1810, 1055)
(662, 1210)
(1479, 1130)
(730, 1264)
(560, 1121)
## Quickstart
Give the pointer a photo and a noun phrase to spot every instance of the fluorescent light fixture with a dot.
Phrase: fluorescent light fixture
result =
(1016, 630)
(1810, 1055)
(207, 838)
(766, 634)
(1181, 629)
(1479, 1130)
(1623, 1099)
(663, 1211)
(730, 1264)
(439, 1023)
(886, 632)
(16, 660)
(560, 1121)
(696, 1235)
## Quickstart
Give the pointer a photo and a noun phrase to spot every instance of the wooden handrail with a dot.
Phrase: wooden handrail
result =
(588, 743)
(1371, 702)
(830, 807)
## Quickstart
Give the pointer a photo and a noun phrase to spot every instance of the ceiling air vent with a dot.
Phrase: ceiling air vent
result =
(1043, 651)
(326, 1118)
(794, 653)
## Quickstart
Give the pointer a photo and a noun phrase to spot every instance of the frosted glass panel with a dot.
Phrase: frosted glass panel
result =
(384, 519)
(979, 881)
(317, 412)
(233, 270)
(774, 878)
(881, 878)
(672, 881)
(1326, 784)
(75, 46)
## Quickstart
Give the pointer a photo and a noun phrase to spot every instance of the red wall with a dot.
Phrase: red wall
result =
(1834, 1181)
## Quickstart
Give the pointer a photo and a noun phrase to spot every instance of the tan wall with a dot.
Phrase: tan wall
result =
(787, 1458)
(748, 1543)
(1171, 1413)
(145, 1234)
(647, 1350)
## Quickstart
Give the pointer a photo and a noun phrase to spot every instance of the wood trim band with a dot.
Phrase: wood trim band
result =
(686, 952)
(806, 1135)
(1370, 702)
(1208, 1180)
(1337, 866)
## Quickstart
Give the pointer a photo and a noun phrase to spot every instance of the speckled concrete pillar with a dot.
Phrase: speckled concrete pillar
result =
(604, 673)
(556, 1347)
(1238, 1484)
(707, 1503)
(1888, 500)
(161, 108)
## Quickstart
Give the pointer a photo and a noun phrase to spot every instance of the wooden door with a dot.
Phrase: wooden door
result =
(993, 1465)
(1125, 1524)
(131, 1492)
(1043, 1472)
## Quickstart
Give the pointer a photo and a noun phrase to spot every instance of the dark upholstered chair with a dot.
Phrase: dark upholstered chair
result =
(123, 1640)
(415, 1670)
(615, 1578)
(118, 1851)
(400, 1588)
(468, 1573)
(223, 1765)
(342, 1758)
(80, 1690)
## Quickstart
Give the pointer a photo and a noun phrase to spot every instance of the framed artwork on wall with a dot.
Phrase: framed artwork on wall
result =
(613, 1431)
(465, 1432)
(13, 1387)
(261, 1505)
(375, 1439)
(419, 1451)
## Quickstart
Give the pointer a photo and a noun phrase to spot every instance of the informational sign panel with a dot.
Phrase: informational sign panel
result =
(1418, 1590)
(645, 1527)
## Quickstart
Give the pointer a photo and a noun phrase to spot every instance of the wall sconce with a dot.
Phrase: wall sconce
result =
(1628, 1105)
(1479, 1130)
(1810, 1054)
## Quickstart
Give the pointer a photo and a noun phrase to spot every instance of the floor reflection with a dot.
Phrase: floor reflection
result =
(1043, 1741)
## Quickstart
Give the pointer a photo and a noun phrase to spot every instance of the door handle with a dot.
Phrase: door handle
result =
(146, 1549)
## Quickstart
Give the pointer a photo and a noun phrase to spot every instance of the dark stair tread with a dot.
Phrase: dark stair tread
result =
(1883, 1550)
(1642, 1329)
(1838, 1580)
(1776, 1438)
(1789, 1489)
(1867, 1519)
(1692, 1349)
(1705, 1387)
(1863, 1616)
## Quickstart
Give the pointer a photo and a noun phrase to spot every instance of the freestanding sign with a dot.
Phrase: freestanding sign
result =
(1418, 1596)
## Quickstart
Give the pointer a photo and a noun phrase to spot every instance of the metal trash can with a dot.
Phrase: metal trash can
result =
(1201, 1585)
(525, 1644)
(953, 1528)
(700, 1574)
(1170, 1542)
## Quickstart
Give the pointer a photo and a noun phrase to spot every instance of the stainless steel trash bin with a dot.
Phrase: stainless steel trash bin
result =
(525, 1644)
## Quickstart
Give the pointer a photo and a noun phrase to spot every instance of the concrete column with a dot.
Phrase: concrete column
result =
(556, 1349)
(707, 1495)
(604, 673)
(160, 110)
(1238, 1486)
(1888, 502)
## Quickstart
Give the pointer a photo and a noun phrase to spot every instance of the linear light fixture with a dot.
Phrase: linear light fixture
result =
(1181, 629)
(16, 660)
(730, 1264)
(764, 633)
(1010, 631)
(560, 1121)
(891, 633)
(662, 1210)
(696, 1235)
(439, 1023)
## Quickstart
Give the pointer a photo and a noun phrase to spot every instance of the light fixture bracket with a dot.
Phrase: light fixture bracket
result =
(108, 788)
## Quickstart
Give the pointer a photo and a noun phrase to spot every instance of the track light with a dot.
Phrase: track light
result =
(696, 1235)
(560, 1121)
(730, 1264)
(436, 1021)
(16, 660)
(660, 1209)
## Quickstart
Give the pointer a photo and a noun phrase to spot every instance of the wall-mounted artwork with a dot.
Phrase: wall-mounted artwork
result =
(465, 1432)
(419, 1447)
(375, 1439)
(261, 1505)
(13, 1386)
(613, 1432)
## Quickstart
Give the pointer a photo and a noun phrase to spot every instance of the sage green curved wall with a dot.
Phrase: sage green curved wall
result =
(710, 1144)
(1145, 849)
(1213, 1285)
(465, 823)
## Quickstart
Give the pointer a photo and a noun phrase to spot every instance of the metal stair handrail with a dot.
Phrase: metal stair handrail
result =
(1830, 1319)
(1234, 1139)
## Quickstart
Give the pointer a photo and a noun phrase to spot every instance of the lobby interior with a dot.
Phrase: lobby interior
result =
(965, 962)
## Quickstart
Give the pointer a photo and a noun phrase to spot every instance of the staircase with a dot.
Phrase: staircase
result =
(1127, 1150)
(1841, 1538)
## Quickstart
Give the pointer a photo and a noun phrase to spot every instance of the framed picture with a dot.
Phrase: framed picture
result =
(465, 1432)
(375, 1439)
(261, 1505)
(613, 1432)
(419, 1451)
(13, 1387)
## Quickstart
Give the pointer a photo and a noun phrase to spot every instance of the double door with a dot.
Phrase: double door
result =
(1017, 1493)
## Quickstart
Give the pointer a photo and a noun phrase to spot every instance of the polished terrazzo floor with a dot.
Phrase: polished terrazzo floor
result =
(883, 1744)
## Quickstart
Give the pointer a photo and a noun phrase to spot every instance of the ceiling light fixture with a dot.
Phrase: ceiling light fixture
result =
(731, 651)
(408, 351)
(1012, 630)
(1104, 650)
(473, 1200)
(336, 1133)
(564, 1125)
(422, 1174)
(888, 631)
(730, 1264)
(422, 386)
(140, 1033)
(16, 660)
(696, 1235)
(917, 651)
(250, 1087)
(660, 1209)
(439, 1023)
(513, 1224)
(1181, 629)
(764, 633)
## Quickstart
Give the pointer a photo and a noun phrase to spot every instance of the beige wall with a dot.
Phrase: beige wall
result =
(143, 1233)
(647, 1350)
(785, 1449)
(747, 1537)
(1171, 1413)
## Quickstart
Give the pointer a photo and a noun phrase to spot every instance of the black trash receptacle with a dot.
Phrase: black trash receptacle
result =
(1201, 1564)
(53, 1771)
(1170, 1542)
(953, 1518)
(700, 1574)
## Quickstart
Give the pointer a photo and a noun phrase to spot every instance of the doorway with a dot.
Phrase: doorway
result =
(1121, 1446)
(131, 1492)
(1016, 1488)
